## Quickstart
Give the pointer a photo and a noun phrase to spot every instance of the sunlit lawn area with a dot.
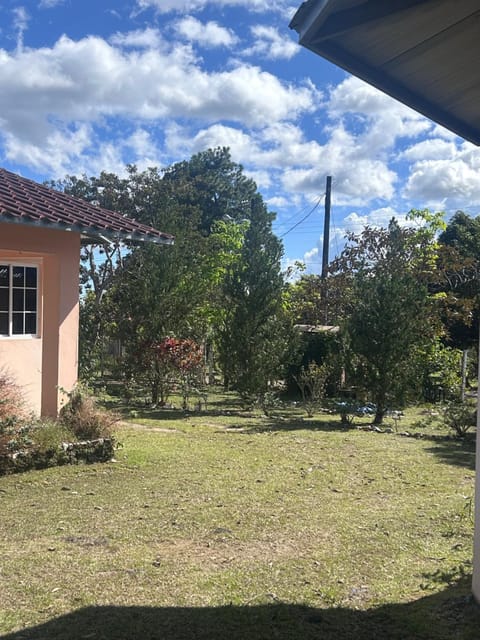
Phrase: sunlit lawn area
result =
(233, 525)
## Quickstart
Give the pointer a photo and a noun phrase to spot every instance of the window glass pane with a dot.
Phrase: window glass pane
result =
(30, 300)
(18, 274)
(4, 324)
(17, 323)
(30, 323)
(3, 299)
(4, 275)
(18, 300)
(31, 277)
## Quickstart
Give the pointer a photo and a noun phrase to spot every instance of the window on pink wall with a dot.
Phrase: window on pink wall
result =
(18, 300)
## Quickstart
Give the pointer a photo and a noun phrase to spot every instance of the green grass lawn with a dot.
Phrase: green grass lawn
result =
(232, 525)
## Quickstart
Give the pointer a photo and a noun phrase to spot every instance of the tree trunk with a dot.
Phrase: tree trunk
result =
(464, 374)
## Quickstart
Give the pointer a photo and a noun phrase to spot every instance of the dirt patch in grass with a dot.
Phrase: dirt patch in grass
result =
(149, 427)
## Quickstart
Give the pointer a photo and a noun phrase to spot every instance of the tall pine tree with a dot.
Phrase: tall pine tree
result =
(252, 339)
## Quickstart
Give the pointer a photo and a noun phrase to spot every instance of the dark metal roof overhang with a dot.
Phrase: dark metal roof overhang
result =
(424, 53)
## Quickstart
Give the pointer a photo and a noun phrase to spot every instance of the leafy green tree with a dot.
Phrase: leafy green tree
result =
(98, 265)
(211, 187)
(459, 277)
(192, 290)
(463, 233)
(388, 310)
(202, 202)
(441, 369)
(253, 336)
(306, 299)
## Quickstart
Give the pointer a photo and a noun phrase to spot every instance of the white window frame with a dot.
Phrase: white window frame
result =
(11, 263)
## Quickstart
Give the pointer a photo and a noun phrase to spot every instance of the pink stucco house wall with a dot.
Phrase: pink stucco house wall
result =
(41, 232)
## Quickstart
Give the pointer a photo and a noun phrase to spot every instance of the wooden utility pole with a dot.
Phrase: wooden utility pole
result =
(326, 226)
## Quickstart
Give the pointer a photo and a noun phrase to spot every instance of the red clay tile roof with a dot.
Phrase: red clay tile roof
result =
(26, 202)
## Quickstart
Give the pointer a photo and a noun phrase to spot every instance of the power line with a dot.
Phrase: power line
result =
(315, 206)
(294, 215)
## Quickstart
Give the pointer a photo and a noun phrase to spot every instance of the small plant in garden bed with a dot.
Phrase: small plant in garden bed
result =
(14, 430)
(83, 432)
(84, 418)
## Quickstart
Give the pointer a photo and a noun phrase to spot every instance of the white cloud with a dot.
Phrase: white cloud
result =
(355, 96)
(56, 152)
(141, 38)
(278, 202)
(277, 146)
(355, 222)
(357, 177)
(21, 19)
(433, 148)
(50, 4)
(441, 132)
(210, 34)
(144, 149)
(443, 174)
(263, 179)
(312, 259)
(167, 6)
(181, 141)
(444, 182)
(312, 255)
(78, 149)
(271, 44)
(361, 141)
(89, 80)
(281, 149)
(382, 120)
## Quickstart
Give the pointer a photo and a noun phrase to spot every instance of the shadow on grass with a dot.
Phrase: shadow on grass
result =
(145, 413)
(281, 423)
(456, 452)
(445, 615)
(249, 420)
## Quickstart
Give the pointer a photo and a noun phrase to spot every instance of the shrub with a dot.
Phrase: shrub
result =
(48, 435)
(347, 410)
(460, 416)
(14, 430)
(268, 402)
(84, 418)
(171, 364)
(12, 405)
(311, 382)
(27, 442)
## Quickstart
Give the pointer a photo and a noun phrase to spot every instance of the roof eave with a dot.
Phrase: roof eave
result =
(93, 235)
(308, 16)
(308, 22)
(335, 54)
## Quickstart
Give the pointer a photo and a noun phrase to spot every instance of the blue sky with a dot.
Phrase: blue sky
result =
(91, 85)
